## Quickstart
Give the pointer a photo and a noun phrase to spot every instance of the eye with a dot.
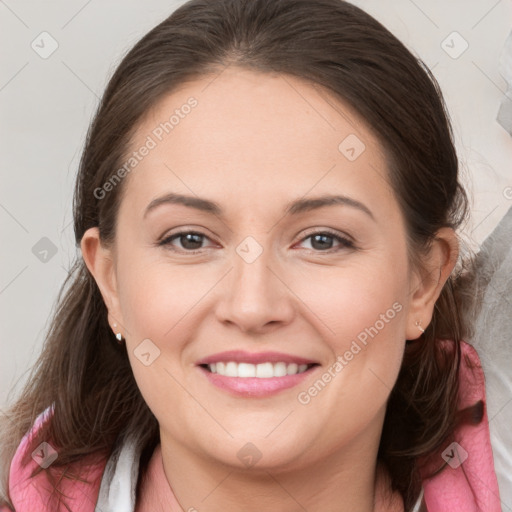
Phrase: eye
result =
(322, 241)
(190, 241)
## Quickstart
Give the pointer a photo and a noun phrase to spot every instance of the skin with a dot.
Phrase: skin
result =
(253, 143)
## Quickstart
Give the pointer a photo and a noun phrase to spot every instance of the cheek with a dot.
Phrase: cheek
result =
(156, 296)
(363, 322)
(157, 302)
(361, 302)
(363, 326)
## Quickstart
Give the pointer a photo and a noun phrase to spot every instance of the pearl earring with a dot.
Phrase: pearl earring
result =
(418, 325)
(119, 336)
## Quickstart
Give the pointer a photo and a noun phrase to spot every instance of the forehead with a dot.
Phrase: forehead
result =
(241, 132)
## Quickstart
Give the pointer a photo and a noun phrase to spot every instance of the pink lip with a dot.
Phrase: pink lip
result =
(240, 356)
(254, 386)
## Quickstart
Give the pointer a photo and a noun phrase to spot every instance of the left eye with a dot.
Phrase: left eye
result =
(191, 241)
(320, 240)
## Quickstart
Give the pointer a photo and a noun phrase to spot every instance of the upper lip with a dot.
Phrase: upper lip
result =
(240, 356)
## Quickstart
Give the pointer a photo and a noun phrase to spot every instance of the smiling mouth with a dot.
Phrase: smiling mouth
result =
(265, 370)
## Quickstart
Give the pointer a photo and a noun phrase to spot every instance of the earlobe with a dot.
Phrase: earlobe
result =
(429, 281)
(100, 263)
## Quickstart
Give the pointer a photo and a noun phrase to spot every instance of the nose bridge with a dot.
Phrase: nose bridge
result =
(255, 296)
(252, 264)
(253, 279)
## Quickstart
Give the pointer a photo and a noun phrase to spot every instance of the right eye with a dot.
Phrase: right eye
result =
(189, 240)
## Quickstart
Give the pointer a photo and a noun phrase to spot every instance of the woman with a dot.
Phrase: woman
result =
(264, 314)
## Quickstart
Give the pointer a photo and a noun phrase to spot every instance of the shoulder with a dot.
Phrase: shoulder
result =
(468, 481)
(29, 493)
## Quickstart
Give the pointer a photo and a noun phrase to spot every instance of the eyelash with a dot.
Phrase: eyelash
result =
(345, 242)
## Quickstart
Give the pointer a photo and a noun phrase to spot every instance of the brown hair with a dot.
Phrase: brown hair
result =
(332, 44)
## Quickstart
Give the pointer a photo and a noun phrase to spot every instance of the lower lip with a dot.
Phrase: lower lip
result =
(255, 386)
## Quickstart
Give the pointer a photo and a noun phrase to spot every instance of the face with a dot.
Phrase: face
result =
(255, 287)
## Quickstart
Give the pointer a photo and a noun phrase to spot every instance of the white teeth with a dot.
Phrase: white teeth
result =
(261, 370)
(246, 370)
(293, 368)
(264, 370)
(279, 369)
(231, 369)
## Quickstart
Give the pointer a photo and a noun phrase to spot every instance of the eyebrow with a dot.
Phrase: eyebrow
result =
(293, 208)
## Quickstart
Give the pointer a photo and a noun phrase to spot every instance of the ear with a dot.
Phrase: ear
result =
(428, 282)
(101, 264)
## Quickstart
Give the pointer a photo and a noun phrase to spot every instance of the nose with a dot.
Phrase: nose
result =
(255, 296)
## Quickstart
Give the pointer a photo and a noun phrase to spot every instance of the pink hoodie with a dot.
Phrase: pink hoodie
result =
(468, 485)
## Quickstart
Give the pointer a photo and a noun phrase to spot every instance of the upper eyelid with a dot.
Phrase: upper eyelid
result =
(183, 232)
(328, 231)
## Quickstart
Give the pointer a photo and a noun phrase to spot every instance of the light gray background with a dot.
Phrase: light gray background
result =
(46, 105)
